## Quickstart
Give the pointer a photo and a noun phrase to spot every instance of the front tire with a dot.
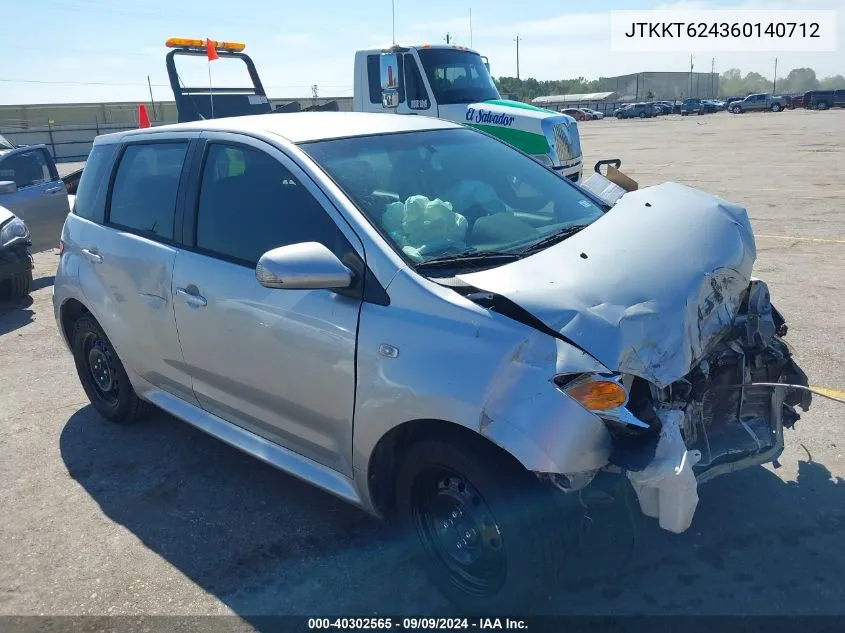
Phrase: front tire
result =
(101, 373)
(823, 105)
(487, 528)
(776, 107)
(20, 285)
(736, 110)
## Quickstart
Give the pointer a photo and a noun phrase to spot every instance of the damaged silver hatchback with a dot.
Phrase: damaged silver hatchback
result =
(426, 322)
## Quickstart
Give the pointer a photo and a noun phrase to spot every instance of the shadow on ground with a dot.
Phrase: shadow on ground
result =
(15, 314)
(266, 543)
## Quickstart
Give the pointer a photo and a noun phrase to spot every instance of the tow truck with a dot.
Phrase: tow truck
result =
(454, 83)
(446, 82)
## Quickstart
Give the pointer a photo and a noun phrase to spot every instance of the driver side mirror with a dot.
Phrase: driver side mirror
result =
(304, 266)
(389, 71)
(7, 186)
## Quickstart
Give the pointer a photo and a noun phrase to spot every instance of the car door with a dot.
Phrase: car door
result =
(127, 255)
(279, 363)
(40, 198)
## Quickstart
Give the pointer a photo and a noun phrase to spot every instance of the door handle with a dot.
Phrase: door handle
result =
(92, 256)
(198, 301)
(53, 190)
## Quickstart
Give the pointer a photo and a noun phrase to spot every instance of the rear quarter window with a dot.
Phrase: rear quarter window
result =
(94, 184)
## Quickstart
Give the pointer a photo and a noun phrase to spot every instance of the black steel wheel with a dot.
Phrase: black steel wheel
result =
(101, 373)
(487, 529)
(458, 527)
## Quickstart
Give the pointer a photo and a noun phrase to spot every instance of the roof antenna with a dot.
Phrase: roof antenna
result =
(393, 9)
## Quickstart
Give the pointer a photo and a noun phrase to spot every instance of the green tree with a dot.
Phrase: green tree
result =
(837, 82)
(799, 80)
(730, 83)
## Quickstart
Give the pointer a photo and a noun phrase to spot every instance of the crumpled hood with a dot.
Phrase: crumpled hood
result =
(647, 287)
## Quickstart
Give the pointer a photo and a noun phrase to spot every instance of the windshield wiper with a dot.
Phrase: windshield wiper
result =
(469, 257)
(554, 238)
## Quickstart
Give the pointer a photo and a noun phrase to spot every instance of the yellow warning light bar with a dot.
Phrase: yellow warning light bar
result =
(184, 42)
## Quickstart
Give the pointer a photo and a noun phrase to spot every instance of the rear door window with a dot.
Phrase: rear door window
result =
(144, 193)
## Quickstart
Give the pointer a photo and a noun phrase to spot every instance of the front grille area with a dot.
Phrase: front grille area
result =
(567, 142)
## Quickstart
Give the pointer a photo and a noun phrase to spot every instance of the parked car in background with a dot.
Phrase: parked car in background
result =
(715, 104)
(695, 106)
(824, 99)
(636, 111)
(758, 102)
(730, 100)
(30, 188)
(797, 101)
(594, 113)
(577, 114)
(661, 108)
(15, 260)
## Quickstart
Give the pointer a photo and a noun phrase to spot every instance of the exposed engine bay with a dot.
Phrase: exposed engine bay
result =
(727, 411)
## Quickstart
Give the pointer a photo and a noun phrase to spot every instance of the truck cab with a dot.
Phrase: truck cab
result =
(454, 83)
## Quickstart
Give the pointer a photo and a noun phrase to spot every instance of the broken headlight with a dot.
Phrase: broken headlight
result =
(13, 232)
(602, 394)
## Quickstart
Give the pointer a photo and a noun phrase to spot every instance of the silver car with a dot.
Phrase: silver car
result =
(425, 322)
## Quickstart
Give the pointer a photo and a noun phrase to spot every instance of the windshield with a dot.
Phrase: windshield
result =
(453, 192)
(4, 144)
(457, 76)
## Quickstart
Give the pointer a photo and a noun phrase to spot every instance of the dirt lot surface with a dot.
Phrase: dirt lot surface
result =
(158, 518)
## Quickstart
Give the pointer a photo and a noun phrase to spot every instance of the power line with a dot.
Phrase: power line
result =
(144, 85)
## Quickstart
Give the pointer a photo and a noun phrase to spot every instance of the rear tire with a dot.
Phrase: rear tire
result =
(20, 285)
(101, 373)
(488, 530)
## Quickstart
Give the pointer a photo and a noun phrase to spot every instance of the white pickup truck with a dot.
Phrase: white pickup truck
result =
(454, 83)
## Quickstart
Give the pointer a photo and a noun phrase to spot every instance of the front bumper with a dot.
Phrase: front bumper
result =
(572, 172)
(13, 261)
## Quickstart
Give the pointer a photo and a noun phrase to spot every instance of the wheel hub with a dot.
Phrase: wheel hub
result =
(462, 529)
(100, 367)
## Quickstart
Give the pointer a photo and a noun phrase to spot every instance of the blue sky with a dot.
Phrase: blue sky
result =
(296, 44)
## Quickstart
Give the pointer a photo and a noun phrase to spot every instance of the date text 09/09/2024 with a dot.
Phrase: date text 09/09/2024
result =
(417, 624)
(724, 29)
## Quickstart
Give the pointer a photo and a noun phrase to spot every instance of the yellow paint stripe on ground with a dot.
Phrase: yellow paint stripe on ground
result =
(793, 238)
(833, 393)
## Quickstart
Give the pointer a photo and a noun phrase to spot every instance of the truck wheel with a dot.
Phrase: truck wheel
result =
(20, 285)
(642, 115)
(776, 107)
(736, 110)
(102, 374)
(487, 528)
(823, 105)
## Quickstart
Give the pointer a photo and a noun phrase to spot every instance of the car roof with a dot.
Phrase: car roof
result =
(301, 127)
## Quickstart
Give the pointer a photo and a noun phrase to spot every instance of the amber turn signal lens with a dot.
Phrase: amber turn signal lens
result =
(599, 395)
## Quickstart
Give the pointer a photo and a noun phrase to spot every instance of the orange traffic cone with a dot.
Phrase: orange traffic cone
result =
(143, 118)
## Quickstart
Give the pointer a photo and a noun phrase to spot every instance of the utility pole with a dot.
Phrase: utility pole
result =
(152, 101)
(713, 78)
(690, 76)
(775, 78)
(393, 18)
(517, 55)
